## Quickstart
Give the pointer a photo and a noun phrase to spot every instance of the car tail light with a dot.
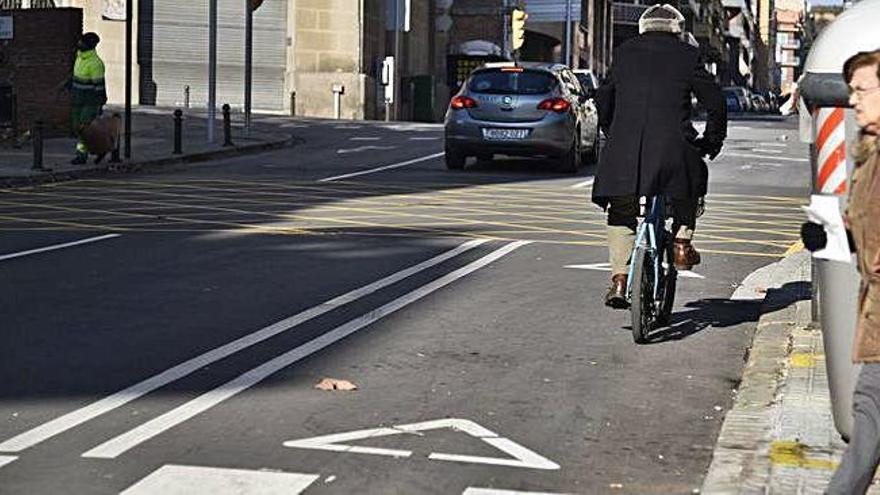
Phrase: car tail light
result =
(460, 102)
(558, 105)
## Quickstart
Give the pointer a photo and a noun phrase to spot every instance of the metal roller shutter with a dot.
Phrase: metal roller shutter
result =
(173, 52)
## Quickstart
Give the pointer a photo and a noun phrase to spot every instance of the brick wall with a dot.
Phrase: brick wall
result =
(36, 60)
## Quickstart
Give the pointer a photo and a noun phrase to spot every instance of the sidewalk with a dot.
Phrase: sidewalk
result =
(152, 146)
(779, 438)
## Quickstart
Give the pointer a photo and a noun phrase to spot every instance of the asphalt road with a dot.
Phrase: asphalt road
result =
(164, 332)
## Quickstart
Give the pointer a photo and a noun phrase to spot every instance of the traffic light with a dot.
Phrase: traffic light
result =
(518, 27)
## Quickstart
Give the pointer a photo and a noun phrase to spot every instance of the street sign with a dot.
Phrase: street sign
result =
(7, 31)
(520, 456)
(388, 78)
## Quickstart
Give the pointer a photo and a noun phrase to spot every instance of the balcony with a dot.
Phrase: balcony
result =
(790, 62)
(26, 4)
(790, 44)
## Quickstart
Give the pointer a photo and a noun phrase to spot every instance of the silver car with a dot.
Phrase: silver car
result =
(524, 109)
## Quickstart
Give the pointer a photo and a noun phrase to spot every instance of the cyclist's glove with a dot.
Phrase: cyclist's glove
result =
(814, 236)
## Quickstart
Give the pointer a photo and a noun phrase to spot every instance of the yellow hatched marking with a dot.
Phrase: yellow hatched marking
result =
(794, 454)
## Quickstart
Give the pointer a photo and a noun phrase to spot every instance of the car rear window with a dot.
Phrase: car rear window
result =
(519, 83)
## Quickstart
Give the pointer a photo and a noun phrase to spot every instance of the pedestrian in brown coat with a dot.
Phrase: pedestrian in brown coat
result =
(862, 73)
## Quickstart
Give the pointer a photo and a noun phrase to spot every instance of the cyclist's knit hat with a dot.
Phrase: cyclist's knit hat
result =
(664, 18)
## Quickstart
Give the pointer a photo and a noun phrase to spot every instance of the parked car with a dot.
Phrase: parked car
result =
(522, 109)
(589, 81)
(734, 103)
(742, 97)
(759, 104)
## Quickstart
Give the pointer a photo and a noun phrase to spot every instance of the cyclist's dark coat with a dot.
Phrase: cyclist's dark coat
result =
(645, 109)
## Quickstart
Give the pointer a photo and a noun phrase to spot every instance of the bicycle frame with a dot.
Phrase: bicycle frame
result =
(654, 224)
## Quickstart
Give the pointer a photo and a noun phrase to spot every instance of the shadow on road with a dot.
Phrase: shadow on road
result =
(723, 313)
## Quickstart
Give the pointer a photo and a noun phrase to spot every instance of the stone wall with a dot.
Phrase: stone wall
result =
(36, 61)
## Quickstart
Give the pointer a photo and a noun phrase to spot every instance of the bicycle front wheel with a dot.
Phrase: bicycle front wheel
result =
(642, 306)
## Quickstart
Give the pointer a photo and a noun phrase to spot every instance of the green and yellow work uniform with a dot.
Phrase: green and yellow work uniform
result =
(88, 92)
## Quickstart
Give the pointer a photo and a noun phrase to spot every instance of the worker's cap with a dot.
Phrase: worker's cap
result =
(664, 18)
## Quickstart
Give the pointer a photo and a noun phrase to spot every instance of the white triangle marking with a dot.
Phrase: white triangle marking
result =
(606, 267)
(522, 457)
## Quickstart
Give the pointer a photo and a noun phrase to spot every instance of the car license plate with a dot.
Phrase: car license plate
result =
(505, 134)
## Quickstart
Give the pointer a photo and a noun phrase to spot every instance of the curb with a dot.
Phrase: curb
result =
(137, 166)
(741, 460)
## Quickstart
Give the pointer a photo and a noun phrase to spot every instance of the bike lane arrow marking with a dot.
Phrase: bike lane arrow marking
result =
(522, 457)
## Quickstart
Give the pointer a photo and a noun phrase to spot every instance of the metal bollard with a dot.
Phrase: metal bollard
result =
(293, 103)
(37, 138)
(178, 132)
(227, 125)
(186, 97)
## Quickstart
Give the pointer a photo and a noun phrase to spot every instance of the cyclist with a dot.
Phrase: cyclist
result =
(652, 148)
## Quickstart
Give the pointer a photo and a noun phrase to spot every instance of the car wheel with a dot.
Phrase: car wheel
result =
(571, 161)
(455, 159)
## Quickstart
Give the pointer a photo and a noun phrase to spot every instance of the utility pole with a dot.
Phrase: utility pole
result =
(212, 68)
(248, 62)
(506, 40)
(398, 67)
(567, 33)
(129, 8)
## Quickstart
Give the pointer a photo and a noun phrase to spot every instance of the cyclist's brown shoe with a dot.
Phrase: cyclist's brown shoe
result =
(616, 296)
(685, 255)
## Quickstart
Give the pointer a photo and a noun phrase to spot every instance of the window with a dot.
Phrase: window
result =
(521, 83)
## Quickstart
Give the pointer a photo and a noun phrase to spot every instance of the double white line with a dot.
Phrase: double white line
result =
(126, 441)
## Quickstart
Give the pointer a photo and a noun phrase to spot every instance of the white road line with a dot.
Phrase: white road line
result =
(57, 247)
(117, 446)
(75, 418)
(195, 480)
(521, 456)
(493, 491)
(747, 155)
(364, 138)
(424, 138)
(386, 167)
(7, 459)
(775, 145)
(587, 183)
(772, 152)
(360, 149)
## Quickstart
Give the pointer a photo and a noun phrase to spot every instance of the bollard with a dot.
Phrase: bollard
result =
(37, 138)
(186, 97)
(293, 103)
(178, 132)
(227, 125)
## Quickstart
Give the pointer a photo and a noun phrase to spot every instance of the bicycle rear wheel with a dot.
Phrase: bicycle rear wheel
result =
(642, 310)
(669, 280)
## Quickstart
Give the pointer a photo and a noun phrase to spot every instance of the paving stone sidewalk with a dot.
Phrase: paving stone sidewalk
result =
(152, 146)
(780, 438)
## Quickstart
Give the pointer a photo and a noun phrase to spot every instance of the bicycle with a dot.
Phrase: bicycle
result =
(652, 274)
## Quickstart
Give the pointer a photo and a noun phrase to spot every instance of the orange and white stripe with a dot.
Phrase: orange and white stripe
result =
(831, 150)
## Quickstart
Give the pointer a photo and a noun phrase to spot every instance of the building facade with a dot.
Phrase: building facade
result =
(303, 49)
(788, 47)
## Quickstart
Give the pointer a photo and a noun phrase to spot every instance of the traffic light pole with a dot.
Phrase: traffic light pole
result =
(568, 33)
(212, 68)
(398, 66)
(129, 13)
(248, 62)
